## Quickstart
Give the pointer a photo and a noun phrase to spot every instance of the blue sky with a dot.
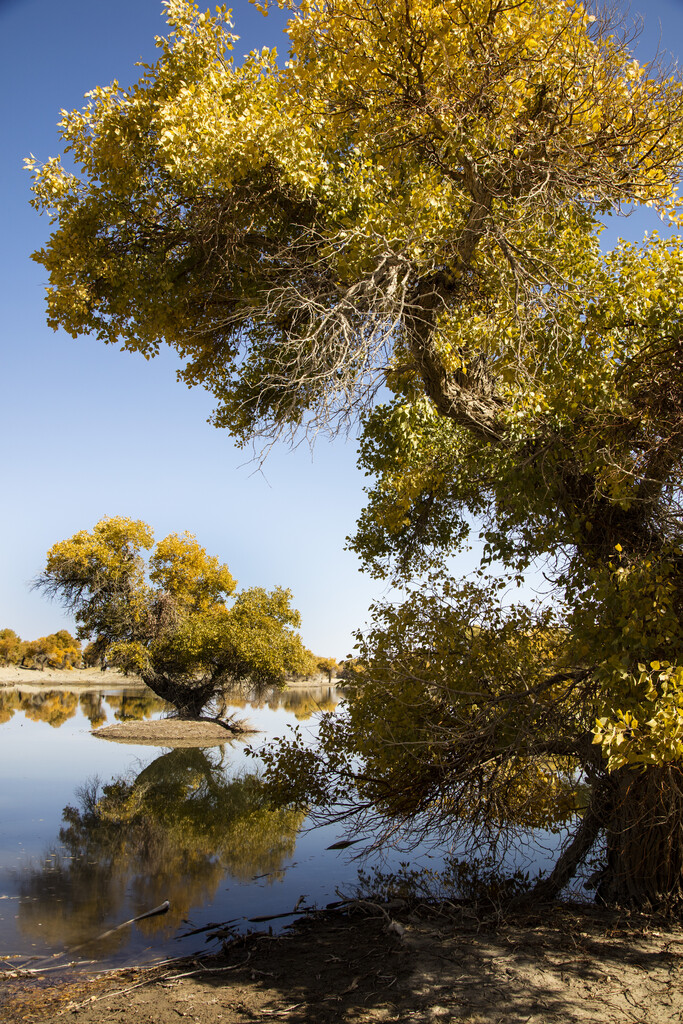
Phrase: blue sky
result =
(89, 431)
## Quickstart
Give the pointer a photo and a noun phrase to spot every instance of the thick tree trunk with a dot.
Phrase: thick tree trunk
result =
(188, 698)
(641, 813)
(645, 839)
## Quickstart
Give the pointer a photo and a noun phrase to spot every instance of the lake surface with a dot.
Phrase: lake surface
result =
(94, 833)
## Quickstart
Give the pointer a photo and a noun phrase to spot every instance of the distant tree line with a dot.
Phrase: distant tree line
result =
(63, 651)
(58, 650)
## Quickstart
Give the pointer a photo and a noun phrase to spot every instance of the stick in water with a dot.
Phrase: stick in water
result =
(163, 908)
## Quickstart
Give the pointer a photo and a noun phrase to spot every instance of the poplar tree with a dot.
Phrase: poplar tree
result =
(166, 618)
(414, 201)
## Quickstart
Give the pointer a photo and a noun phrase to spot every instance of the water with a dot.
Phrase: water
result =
(94, 833)
(187, 825)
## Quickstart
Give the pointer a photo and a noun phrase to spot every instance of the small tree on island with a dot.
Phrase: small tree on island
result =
(166, 619)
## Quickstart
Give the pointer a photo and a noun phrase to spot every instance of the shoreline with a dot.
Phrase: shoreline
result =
(390, 963)
(70, 679)
(168, 731)
(65, 679)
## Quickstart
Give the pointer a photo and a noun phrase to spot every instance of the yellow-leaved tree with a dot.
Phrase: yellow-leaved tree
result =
(414, 201)
(166, 619)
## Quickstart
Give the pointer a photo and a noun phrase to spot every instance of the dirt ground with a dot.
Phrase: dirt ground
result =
(558, 965)
(60, 679)
(173, 732)
(72, 679)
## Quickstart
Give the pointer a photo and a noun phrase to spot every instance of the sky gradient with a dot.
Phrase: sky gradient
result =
(89, 431)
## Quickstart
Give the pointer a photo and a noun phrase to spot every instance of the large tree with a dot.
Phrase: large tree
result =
(414, 201)
(166, 619)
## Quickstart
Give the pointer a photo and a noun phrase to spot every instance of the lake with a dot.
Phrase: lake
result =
(95, 832)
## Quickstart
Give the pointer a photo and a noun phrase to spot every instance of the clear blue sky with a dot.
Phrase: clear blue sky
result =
(89, 431)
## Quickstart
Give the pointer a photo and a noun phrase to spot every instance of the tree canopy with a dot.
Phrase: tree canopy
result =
(58, 650)
(414, 202)
(166, 619)
(420, 179)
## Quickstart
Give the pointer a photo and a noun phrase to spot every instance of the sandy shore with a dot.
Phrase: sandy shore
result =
(13, 675)
(392, 964)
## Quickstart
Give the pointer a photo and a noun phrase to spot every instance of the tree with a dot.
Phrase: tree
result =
(101, 577)
(328, 667)
(414, 202)
(167, 620)
(11, 647)
(58, 650)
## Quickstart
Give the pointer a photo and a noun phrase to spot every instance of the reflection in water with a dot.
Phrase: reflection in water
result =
(171, 834)
(136, 706)
(9, 703)
(52, 706)
(57, 706)
(303, 701)
(91, 705)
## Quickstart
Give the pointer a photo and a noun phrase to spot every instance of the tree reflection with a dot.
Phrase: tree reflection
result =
(57, 706)
(303, 702)
(52, 706)
(171, 834)
(91, 704)
(9, 703)
(135, 705)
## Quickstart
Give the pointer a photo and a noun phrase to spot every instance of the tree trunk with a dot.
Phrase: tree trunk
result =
(644, 865)
(575, 853)
(188, 698)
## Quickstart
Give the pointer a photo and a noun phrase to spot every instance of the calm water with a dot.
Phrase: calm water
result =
(93, 833)
(186, 825)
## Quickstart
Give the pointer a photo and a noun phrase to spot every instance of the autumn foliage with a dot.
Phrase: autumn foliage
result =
(166, 619)
(413, 202)
(58, 650)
